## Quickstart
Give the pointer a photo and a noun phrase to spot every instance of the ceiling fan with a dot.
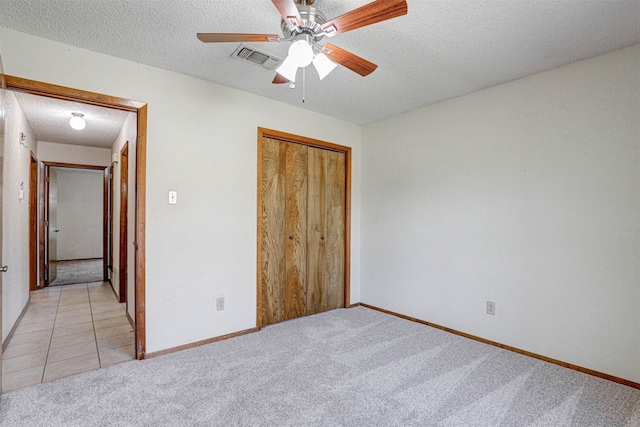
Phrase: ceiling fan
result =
(307, 28)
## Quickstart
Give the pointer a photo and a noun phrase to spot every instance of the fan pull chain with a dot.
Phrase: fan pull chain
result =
(304, 83)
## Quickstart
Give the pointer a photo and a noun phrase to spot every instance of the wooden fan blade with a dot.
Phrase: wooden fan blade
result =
(278, 80)
(236, 37)
(288, 11)
(377, 11)
(349, 60)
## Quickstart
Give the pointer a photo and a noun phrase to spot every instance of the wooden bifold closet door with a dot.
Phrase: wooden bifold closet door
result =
(302, 223)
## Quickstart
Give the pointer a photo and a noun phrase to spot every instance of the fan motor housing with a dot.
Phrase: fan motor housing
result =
(312, 19)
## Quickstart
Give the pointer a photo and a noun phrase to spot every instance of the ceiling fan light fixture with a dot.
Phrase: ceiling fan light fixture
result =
(77, 121)
(301, 53)
(307, 27)
(323, 65)
(288, 69)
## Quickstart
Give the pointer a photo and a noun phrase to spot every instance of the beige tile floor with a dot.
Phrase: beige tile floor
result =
(67, 330)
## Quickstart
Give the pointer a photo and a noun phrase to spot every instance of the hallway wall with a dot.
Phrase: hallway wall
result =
(15, 214)
(128, 133)
(74, 154)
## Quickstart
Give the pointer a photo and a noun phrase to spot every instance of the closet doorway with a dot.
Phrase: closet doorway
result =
(304, 199)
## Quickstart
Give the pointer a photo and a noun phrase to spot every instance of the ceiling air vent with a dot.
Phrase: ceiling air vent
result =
(246, 53)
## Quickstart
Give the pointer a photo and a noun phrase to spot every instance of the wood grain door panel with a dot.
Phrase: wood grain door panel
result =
(302, 208)
(284, 225)
(335, 214)
(295, 253)
(317, 226)
(272, 214)
(326, 198)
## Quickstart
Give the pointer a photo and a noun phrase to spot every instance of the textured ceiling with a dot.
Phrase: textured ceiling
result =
(440, 50)
(49, 119)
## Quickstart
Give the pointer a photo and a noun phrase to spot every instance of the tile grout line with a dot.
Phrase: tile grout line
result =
(94, 329)
(93, 324)
(54, 325)
(93, 296)
(58, 312)
(44, 368)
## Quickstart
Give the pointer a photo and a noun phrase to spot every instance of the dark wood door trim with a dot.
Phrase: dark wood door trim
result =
(269, 133)
(41, 230)
(109, 222)
(44, 225)
(140, 108)
(140, 236)
(105, 226)
(33, 223)
(105, 236)
(74, 166)
(124, 226)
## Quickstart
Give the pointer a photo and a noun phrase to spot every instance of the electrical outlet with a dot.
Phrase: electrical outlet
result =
(491, 308)
(220, 304)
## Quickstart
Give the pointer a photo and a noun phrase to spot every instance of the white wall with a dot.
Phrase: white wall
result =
(128, 133)
(79, 213)
(74, 154)
(526, 194)
(202, 142)
(15, 214)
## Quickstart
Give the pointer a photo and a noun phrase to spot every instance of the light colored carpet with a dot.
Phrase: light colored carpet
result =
(355, 367)
(82, 271)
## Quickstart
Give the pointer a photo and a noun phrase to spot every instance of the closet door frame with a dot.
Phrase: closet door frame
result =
(269, 133)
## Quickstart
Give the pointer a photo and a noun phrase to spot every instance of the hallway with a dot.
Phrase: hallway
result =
(67, 330)
(78, 271)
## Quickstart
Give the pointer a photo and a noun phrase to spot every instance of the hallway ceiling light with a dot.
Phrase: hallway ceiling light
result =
(77, 121)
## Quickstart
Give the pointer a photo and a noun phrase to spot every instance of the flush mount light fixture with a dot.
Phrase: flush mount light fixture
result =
(77, 121)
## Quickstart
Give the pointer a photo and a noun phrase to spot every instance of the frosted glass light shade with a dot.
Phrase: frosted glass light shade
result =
(288, 69)
(323, 65)
(301, 52)
(76, 121)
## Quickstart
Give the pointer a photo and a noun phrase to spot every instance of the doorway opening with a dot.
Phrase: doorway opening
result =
(140, 109)
(74, 224)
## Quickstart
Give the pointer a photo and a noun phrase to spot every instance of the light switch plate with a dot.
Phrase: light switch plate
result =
(491, 308)
(173, 197)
